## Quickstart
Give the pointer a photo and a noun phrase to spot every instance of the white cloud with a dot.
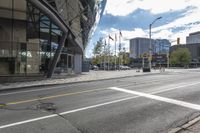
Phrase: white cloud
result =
(190, 17)
(186, 23)
(125, 7)
(162, 32)
(168, 31)
(104, 32)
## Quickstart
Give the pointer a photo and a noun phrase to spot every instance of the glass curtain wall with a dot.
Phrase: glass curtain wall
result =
(44, 37)
(28, 39)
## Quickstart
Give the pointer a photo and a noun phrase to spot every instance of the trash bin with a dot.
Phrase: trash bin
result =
(146, 69)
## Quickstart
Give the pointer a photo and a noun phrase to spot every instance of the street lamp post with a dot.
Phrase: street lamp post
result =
(168, 60)
(150, 47)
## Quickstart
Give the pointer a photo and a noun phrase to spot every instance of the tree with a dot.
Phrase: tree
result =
(180, 57)
(98, 48)
(97, 51)
(123, 58)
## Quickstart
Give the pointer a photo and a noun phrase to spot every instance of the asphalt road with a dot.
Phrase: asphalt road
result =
(144, 104)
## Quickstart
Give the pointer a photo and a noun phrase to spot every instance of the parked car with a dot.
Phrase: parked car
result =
(123, 67)
(95, 67)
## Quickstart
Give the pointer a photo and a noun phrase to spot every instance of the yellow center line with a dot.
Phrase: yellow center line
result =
(51, 97)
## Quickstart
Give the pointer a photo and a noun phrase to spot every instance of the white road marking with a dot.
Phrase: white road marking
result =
(61, 86)
(174, 87)
(159, 98)
(64, 113)
(95, 106)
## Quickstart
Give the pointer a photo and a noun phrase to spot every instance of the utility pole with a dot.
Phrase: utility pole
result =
(150, 47)
(104, 58)
(168, 60)
(120, 45)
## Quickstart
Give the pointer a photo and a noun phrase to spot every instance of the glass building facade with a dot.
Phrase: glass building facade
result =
(162, 46)
(29, 38)
(140, 46)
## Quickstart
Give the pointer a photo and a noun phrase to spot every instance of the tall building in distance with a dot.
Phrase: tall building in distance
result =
(161, 46)
(193, 38)
(40, 37)
(140, 46)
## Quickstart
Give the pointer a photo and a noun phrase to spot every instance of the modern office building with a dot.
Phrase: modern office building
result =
(161, 46)
(40, 37)
(193, 38)
(141, 46)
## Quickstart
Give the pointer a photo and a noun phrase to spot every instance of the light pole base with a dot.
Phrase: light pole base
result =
(146, 69)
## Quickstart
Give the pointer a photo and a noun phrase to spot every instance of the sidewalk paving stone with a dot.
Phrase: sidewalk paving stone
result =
(84, 77)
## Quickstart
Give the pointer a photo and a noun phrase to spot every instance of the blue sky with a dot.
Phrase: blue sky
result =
(179, 18)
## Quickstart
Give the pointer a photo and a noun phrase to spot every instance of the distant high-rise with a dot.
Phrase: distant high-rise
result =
(161, 46)
(193, 38)
(140, 46)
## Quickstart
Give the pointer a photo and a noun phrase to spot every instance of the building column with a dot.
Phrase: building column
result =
(77, 63)
(56, 57)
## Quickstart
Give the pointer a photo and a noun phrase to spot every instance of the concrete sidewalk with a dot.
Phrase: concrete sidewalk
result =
(84, 77)
(88, 76)
(192, 126)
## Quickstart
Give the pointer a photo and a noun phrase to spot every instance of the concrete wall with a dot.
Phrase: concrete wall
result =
(77, 63)
(19, 9)
(33, 56)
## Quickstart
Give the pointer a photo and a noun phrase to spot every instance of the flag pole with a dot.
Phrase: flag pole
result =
(104, 55)
(119, 61)
(115, 52)
(108, 52)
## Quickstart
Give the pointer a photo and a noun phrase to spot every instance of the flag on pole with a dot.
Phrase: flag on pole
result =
(111, 38)
(120, 33)
(115, 37)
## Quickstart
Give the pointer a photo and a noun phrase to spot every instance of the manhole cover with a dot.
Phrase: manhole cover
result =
(47, 107)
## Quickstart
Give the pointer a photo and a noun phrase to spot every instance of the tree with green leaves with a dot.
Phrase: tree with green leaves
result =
(97, 51)
(180, 57)
(98, 47)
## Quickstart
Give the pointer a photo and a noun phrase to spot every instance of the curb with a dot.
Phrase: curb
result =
(75, 82)
(185, 126)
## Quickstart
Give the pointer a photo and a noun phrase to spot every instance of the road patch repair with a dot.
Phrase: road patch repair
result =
(138, 94)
